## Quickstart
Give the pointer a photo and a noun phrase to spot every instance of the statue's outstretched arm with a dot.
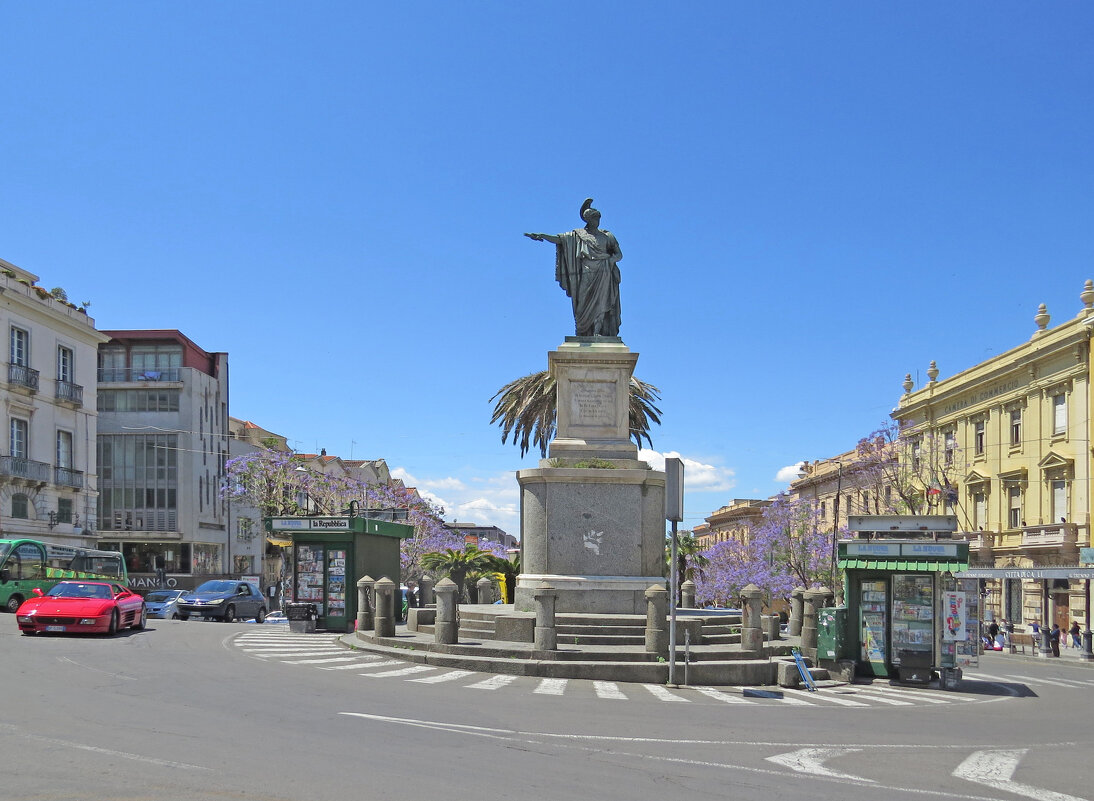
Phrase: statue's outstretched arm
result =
(544, 237)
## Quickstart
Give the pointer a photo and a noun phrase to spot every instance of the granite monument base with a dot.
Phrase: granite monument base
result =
(597, 535)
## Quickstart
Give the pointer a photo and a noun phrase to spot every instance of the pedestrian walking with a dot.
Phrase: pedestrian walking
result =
(1075, 633)
(1054, 639)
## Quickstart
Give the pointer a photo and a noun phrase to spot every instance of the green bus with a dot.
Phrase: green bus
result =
(26, 564)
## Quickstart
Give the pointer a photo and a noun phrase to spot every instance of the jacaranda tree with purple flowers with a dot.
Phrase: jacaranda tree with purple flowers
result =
(789, 547)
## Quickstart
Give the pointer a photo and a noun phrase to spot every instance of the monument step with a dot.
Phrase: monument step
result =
(571, 630)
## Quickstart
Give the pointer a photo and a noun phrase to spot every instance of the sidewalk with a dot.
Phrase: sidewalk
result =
(1071, 656)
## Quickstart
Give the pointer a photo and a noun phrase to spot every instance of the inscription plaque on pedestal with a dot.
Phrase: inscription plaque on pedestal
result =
(592, 403)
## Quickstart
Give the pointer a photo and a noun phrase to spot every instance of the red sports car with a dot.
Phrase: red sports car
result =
(82, 607)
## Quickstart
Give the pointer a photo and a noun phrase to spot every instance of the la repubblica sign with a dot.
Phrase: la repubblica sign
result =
(356, 525)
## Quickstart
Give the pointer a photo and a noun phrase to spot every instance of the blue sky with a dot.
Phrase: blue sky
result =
(812, 200)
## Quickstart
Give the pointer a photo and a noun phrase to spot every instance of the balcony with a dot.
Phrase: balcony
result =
(67, 477)
(67, 392)
(1054, 535)
(28, 469)
(19, 375)
(117, 375)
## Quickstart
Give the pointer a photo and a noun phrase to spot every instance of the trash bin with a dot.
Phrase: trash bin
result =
(915, 666)
(302, 616)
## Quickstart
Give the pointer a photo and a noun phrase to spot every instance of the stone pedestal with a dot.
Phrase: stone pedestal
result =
(544, 636)
(752, 636)
(687, 595)
(813, 601)
(364, 603)
(592, 515)
(446, 626)
(797, 600)
(657, 607)
(383, 621)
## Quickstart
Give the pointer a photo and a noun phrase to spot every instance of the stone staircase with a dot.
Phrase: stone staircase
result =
(601, 647)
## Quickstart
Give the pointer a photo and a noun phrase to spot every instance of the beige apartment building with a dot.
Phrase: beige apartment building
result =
(733, 521)
(1016, 430)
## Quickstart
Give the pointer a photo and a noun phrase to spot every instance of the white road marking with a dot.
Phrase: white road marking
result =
(407, 671)
(663, 693)
(302, 652)
(811, 760)
(996, 769)
(327, 661)
(906, 695)
(724, 697)
(881, 699)
(385, 663)
(451, 675)
(359, 662)
(551, 687)
(772, 695)
(1052, 682)
(493, 683)
(608, 690)
(823, 696)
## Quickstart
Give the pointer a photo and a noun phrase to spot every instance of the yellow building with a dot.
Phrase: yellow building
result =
(1014, 432)
(731, 522)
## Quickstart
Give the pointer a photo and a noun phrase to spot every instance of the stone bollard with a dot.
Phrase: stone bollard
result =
(545, 635)
(446, 627)
(364, 602)
(687, 595)
(657, 608)
(425, 591)
(797, 597)
(771, 627)
(752, 635)
(383, 594)
(813, 600)
(1087, 654)
(485, 589)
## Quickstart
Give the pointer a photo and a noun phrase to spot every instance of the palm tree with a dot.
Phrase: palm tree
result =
(457, 564)
(690, 560)
(507, 569)
(527, 410)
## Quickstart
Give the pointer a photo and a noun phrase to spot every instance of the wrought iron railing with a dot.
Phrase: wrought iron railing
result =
(23, 376)
(67, 477)
(113, 375)
(20, 467)
(67, 391)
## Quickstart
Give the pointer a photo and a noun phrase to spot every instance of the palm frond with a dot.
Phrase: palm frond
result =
(527, 410)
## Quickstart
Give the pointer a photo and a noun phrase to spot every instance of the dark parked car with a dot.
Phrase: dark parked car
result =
(224, 600)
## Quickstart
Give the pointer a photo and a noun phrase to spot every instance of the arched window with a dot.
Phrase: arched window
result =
(20, 506)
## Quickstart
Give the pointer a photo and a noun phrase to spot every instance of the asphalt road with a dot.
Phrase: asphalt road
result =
(195, 711)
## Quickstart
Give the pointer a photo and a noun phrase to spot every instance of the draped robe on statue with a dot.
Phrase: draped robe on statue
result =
(589, 275)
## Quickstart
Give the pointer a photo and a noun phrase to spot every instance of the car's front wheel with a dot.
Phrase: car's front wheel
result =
(229, 614)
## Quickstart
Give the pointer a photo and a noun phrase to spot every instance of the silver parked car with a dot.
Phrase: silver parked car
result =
(163, 603)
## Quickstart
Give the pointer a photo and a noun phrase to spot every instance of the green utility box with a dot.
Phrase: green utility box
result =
(832, 633)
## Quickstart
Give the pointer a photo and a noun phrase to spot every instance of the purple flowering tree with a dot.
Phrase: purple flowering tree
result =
(281, 484)
(789, 547)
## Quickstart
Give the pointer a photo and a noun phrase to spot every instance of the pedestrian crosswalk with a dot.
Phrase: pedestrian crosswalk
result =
(325, 652)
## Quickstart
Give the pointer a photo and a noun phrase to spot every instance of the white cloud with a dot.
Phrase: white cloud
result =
(789, 473)
(489, 500)
(698, 476)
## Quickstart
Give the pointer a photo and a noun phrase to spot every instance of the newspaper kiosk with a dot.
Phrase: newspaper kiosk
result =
(908, 618)
(330, 554)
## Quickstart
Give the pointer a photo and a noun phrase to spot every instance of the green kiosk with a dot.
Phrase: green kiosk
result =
(329, 556)
(907, 615)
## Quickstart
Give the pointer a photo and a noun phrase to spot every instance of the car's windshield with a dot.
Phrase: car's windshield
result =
(161, 595)
(74, 590)
(217, 586)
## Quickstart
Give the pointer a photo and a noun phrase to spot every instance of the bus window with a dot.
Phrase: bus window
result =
(27, 562)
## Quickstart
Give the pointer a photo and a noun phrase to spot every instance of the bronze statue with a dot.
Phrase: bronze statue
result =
(586, 266)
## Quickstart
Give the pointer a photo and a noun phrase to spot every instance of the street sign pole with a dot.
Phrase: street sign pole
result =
(674, 511)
